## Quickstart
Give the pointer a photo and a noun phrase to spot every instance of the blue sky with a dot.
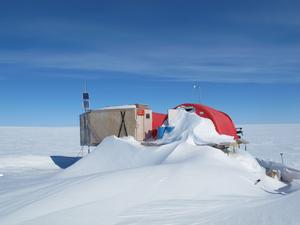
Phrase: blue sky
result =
(244, 54)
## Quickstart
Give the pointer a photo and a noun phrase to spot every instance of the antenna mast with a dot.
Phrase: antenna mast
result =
(86, 106)
(197, 88)
(86, 98)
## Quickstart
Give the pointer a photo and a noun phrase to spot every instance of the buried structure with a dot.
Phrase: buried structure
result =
(128, 120)
(208, 127)
(143, 124)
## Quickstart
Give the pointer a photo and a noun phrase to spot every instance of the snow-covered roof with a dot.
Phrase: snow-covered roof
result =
(119, 107)
(130, 106)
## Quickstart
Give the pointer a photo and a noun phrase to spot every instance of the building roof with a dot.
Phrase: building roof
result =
(223, 123)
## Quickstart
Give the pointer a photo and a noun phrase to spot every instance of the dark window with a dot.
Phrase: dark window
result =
(147, 116)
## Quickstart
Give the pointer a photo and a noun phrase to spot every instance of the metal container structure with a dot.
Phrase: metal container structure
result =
(130, 120)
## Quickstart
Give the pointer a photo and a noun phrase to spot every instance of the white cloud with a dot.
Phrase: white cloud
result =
(259, 65)
(202, 57)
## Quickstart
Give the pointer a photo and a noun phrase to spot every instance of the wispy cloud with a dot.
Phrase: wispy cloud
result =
(228, 64)
(75, 48)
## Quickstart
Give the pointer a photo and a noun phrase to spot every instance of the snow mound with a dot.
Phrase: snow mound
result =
(187, 143)
(124, 153)
(117, 154)
(195, 129)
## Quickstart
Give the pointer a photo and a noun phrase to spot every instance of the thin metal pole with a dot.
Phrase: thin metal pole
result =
(281, 155)
(85, 86)
(198, 91)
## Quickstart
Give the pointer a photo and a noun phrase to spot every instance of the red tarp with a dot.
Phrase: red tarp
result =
(157, 120)
(222, 122)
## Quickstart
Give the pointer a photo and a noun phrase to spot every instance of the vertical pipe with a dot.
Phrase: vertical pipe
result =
(281, 155)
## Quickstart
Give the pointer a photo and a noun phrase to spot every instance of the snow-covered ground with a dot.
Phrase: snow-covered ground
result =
(124, 182)
(23, 149)
(268, 141)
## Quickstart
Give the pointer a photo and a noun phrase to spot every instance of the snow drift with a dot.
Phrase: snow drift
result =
(183, 181)
(123, 153)
(199, 130)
